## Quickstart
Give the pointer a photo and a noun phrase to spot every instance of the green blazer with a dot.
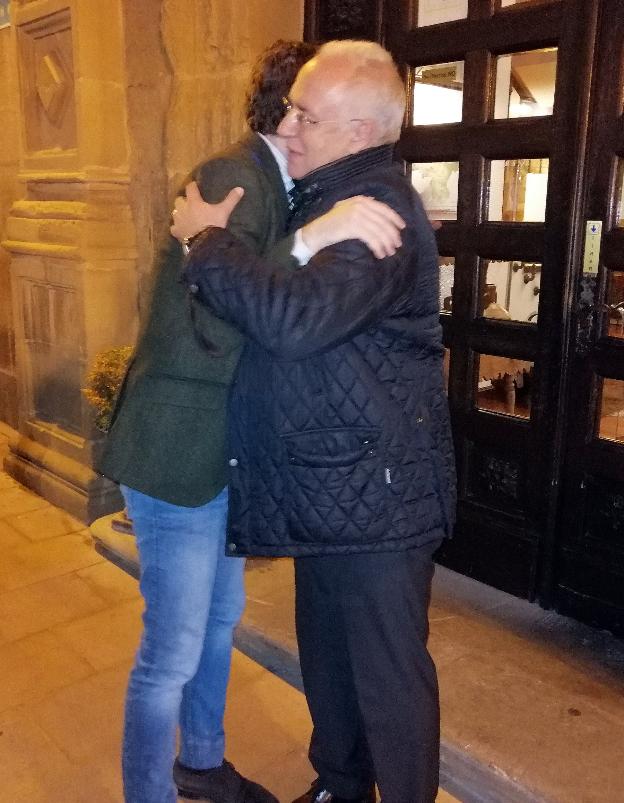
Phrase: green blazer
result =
(168, 431)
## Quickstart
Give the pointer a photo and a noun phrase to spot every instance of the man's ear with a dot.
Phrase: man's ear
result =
(363, 134)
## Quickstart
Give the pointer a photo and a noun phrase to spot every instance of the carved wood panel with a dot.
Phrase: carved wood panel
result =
(342, 19)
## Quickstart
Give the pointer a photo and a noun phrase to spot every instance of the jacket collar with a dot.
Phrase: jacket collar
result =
(337, 174)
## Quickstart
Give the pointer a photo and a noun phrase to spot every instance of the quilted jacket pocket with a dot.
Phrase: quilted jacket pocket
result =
(335, 485)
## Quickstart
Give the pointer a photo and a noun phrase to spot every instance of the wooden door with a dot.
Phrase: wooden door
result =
(584, 569)
(502, 163)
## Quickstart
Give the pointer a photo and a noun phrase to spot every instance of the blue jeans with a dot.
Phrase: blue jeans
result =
(194, 596)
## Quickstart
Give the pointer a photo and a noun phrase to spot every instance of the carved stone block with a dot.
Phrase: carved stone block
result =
(45, 53)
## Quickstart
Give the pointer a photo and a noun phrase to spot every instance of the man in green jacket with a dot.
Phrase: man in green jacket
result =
(166, 449)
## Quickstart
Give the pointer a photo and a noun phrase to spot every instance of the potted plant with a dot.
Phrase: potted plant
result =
(102, 388)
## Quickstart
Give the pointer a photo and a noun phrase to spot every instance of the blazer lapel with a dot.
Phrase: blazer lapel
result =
(263, 157)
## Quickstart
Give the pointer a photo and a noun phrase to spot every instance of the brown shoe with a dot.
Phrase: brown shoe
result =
(219, 785)
(316, 794)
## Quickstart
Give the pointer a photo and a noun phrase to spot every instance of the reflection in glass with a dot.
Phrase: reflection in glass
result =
(436, 183)
(504, 385)
(447, 275)
(506, 3)
(431, 12)
(510, 290)
(525, 84)
(517, 190)
(611, 415)
(619, 194)
(615, 303)
(438, 93)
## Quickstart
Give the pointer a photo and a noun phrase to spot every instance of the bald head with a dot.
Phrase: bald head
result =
(348, 98)
(363, 77)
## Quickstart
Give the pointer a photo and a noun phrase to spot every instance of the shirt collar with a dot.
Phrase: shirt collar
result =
(282, 162)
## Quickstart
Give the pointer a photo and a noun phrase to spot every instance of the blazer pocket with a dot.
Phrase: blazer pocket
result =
(184, 392)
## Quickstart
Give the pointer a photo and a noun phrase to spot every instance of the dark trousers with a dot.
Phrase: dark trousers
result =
(370, 683)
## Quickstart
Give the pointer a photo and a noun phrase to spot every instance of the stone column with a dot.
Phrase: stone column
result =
(71, 238)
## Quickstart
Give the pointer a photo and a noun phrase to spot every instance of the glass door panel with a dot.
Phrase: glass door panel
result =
(432, 12)
(504, 385)
(438, 93)
(447, 278)
(611, 411)
(509, 290)
(502, 4)
(517, 191)
(525, 84)
(437, 183)
(619, 194)
(615, 303)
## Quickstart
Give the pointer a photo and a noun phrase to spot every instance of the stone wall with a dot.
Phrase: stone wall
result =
(188, 64)
(9, 165)
(115, 103)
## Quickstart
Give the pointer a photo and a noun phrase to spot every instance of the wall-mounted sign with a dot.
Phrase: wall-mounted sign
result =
(4, 13)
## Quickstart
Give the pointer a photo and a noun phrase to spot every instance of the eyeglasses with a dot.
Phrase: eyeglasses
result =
(301, 118)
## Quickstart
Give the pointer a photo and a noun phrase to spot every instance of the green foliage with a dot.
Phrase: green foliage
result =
(104, 381)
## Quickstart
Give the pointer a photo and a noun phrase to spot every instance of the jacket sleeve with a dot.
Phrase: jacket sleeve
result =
(342, 291)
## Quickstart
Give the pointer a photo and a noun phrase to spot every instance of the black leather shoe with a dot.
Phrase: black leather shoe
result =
(219, 785)
(316, 794)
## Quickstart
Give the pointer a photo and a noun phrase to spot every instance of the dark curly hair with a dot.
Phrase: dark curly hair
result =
(273, 75)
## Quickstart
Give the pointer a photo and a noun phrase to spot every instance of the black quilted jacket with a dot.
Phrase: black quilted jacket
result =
(339, 430)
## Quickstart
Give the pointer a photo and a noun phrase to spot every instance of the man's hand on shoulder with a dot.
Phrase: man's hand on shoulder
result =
(191, 214)
(359, 218)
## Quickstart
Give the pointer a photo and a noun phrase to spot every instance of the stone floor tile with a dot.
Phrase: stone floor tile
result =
(9, 537)
(245, 670)
(35, 770)
(33, 562)
(17, 500)
(100, 782)
(30, 763)
(35, 666)
(107, 638)
(288, 775)
(6, 481)
(276, 723)
(43, 523)
(110, 582)
(40, 606)
(512, 715)
(444, 797)
(85, 719)
(267, 574)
